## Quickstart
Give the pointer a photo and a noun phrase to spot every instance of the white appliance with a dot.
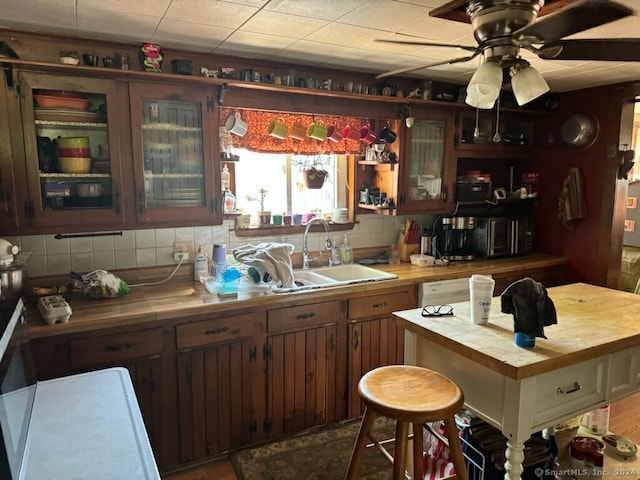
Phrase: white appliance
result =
(81, 426)
(444, 292)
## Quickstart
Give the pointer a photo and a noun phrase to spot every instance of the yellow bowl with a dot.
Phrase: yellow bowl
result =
(72, 142)
(74, 164)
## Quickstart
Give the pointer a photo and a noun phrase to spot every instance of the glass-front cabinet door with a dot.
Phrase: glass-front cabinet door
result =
(71, 151)
(428, 166)
(173, 134)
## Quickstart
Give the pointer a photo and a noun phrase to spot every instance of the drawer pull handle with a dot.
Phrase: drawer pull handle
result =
(304, 316)
(574, 388)
(215, 331)
(118, 347)
(380, 305)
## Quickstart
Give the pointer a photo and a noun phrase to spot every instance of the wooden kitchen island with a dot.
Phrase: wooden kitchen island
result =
(590, 358)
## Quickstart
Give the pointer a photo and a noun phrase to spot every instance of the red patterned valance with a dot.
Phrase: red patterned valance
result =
(257, 138)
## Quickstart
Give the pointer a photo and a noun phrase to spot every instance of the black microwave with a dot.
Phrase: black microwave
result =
(503, 236)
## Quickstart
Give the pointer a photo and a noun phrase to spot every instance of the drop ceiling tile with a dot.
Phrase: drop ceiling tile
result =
(309, 52)
(276, 23)
(384, 15)
(347, 35)
(192, 36)
(325, 10)
(119, 26)
(256, 45)
(33, 13)
(211, 12)
(154, 8)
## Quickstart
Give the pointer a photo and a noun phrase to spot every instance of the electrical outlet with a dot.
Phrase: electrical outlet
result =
(182, 249)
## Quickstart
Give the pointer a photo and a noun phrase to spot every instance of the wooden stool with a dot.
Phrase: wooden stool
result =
(408, 395)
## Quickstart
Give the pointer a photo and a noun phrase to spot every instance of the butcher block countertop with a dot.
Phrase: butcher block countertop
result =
(592, 321)
(181, 297)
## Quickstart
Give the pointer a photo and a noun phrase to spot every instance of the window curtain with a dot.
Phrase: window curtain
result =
(257, 138)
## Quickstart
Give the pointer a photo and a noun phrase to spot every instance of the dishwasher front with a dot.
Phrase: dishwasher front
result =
(443, 292)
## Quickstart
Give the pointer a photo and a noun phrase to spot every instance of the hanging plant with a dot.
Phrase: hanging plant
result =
(314, 178)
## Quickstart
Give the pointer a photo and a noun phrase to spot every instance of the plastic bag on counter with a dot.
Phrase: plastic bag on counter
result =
(101, 284)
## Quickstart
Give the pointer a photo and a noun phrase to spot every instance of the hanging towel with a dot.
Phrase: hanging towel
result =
(571, 204)
(274, 258)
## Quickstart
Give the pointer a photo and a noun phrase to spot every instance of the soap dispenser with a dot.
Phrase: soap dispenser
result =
(199, 265)
(346, 252)
(335, 252)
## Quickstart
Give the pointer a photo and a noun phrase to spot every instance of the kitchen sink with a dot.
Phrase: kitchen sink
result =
(353, 273)
(323, 277)
(309, 279)
(303, 278)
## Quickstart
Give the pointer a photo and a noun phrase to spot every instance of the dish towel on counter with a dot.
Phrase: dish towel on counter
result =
(530, 305)
(274, 258)
(571, 204)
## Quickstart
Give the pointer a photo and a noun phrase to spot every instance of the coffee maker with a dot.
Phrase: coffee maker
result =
(454, 238)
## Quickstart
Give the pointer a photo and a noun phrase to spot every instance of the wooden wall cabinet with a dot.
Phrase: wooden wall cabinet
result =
(175, 154)
(52, 193)
(423, 178)
(154, 151)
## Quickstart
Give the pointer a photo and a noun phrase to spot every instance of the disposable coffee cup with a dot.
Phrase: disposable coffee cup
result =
(481, 292)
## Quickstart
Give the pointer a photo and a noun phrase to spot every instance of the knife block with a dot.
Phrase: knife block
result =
(407, 249)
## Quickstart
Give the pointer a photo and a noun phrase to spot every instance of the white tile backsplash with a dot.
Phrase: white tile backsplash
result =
(148, 248)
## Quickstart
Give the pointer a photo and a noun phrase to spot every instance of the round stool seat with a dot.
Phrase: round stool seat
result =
(411, 394)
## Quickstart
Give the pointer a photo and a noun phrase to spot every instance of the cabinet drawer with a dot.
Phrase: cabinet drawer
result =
(569, 389)
(303, 316)
(209, 332)
(114, 349)
(380, 305)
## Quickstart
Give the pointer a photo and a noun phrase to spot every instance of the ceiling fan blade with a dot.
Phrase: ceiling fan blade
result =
(573, 19)
(412, 69)
(605, 49)
(428, 44)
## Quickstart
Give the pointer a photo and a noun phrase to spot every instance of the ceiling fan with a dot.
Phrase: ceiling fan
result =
(503, 27)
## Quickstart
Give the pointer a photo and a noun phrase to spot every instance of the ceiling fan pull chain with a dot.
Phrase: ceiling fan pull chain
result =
(497, 138)
(476, 131)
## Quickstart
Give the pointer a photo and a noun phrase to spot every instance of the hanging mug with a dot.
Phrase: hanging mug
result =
(317, 131)
(298, 132)
(387, 135)
(236, 125)
(278, 129)
(350, 133)
(366, 135)
(333, 134)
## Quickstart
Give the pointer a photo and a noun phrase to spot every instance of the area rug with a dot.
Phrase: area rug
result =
(319, 455)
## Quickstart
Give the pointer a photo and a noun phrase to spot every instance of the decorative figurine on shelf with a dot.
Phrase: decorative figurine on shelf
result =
(151, 57)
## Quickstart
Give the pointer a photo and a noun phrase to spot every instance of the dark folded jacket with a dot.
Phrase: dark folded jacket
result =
(530, 305)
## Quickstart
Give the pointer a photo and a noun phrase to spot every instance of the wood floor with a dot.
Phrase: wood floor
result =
(624, 420)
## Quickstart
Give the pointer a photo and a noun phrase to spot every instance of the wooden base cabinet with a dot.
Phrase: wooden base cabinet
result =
(215, 392)
(374, 339)
(305, 368)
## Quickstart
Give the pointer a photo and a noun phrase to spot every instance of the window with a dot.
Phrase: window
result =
(280, 175)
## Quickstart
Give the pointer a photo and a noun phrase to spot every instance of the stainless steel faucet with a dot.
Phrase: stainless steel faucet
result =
(328, 245)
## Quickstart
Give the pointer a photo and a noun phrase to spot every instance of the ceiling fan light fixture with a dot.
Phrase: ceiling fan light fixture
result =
(473, 100)
(484, 87)
(527, 84)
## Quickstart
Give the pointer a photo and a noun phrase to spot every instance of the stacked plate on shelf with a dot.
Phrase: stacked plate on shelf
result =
(62, 106)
